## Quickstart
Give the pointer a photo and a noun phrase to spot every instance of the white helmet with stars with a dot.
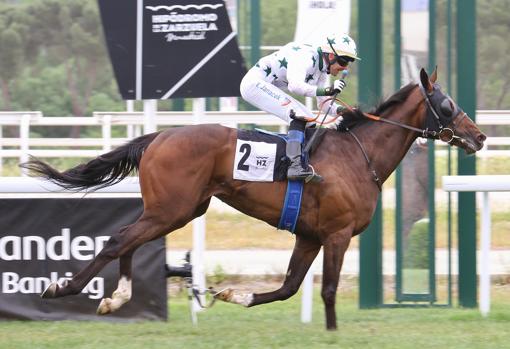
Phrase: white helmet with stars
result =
(340, 45)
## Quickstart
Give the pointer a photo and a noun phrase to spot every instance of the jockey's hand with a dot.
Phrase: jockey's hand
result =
(340, 110)
(339, 85)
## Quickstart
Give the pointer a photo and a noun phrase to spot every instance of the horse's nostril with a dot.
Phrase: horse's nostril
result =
(481, 137)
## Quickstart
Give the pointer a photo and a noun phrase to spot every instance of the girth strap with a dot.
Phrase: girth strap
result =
(291, 206)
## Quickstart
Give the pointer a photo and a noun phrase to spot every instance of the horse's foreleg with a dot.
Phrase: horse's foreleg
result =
(334, 250)
(302, 258)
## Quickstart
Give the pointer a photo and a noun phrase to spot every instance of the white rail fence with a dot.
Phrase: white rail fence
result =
(20, 147)
(484, 184)
(132, 121)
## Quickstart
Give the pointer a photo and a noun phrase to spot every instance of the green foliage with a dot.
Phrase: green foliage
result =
(218, 276)
(416, 246)
(56, 59)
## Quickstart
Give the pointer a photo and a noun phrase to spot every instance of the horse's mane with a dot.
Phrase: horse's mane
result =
(354, 118)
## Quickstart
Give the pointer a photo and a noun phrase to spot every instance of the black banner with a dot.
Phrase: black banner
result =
(172, 48)
(46, 240)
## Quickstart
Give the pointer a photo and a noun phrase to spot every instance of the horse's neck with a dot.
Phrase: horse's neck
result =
(386, 144)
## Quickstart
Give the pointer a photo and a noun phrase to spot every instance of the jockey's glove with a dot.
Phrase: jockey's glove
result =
(338, 86)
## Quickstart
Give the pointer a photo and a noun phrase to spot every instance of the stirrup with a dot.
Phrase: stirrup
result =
(306, 176)
(314, 177)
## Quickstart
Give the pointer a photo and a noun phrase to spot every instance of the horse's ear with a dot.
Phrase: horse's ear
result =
(425, 82)
(433, 77)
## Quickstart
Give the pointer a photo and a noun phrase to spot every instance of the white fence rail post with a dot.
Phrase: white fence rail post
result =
(485, 252)
(307, 297)
(1, 156)
(150, 107)
(24, 134)
(106, 126)
(483, 184)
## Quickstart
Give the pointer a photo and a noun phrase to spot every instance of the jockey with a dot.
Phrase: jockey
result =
(300, 69)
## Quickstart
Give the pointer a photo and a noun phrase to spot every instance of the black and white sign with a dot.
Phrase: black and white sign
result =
(172, 48)
(48, 240)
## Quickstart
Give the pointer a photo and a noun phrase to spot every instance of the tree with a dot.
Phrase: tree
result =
(11, 52)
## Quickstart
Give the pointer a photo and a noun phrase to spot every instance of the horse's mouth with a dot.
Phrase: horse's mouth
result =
(468, 146)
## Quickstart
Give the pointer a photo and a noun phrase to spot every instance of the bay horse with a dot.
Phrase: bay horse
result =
(180, 169)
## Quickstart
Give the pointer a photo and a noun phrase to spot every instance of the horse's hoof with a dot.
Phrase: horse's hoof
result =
(224, 295)
(50, 291)
(104, 307)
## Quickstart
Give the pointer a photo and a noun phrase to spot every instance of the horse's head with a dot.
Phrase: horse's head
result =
(447, 119)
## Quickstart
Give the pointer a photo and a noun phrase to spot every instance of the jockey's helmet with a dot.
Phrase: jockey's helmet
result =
(342, 46)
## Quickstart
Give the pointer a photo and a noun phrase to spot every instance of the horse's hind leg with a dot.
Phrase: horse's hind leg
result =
(123, 292)
(302, 258)
(125, 241)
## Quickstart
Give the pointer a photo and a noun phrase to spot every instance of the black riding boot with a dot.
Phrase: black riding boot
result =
(296, 171)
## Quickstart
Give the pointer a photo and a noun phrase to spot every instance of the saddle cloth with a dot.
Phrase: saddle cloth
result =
(260, 156)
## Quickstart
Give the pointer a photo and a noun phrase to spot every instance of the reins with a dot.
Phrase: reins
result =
(376, 178)
(445, 134)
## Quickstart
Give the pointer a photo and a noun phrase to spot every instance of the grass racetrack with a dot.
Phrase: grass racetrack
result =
(278, 325)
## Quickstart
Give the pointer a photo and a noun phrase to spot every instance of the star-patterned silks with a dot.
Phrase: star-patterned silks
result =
(331, 41)
(346, 40)
(307, 60)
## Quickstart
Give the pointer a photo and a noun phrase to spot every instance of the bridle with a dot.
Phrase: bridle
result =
(444, 133)
(435, 122)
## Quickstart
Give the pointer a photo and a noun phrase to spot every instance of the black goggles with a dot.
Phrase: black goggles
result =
(344, 60)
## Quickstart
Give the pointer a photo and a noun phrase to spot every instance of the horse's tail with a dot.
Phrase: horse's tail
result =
(103, 171)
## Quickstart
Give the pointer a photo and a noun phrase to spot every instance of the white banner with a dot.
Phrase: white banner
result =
(317, 18)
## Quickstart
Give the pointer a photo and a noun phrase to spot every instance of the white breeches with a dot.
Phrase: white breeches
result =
(269, 98)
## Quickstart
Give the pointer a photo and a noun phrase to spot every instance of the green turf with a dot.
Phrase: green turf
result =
(278, 326)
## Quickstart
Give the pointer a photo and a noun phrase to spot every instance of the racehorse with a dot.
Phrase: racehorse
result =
(180, 169)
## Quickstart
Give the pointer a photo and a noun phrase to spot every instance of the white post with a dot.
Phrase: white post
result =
(307, 297)
(485, 275)
(198, 224)
(150, 107)
(485, 184)
(1, 159)
(24, 134)
(197, 259)
(106, 128)
(130, 107)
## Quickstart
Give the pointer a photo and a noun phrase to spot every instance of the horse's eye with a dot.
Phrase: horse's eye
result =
(447, 107)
